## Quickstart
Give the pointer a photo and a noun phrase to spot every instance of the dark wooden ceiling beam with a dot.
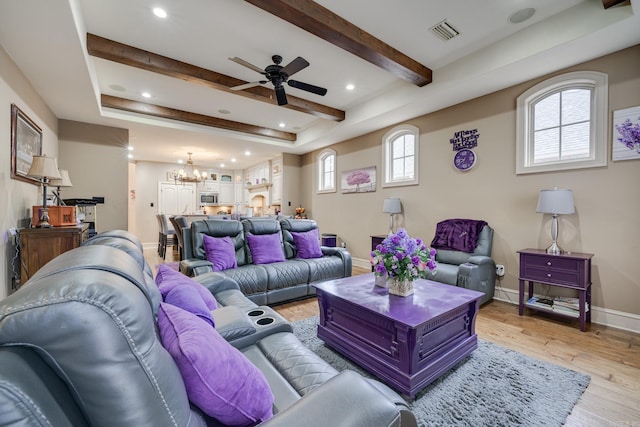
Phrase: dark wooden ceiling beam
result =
(611, 3)
(320, 21)
(195, 118)
(128, 55)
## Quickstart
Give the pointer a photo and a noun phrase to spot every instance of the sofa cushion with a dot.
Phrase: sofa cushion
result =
(168, 278)
(220, 251)
(307, 244)
(265, 248)
(218, 378)
(187, 298)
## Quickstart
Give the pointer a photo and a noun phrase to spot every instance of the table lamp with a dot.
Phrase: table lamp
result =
(555, 202)
(44, 168)
(62, 182)
(391, 206)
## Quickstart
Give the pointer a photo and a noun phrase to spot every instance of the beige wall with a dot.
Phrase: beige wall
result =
(17, 197)
(607, 199)
(96, 158)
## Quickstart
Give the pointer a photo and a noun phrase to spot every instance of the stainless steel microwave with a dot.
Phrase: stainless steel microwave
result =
(208, 199)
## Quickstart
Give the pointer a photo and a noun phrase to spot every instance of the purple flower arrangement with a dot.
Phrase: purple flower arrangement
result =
(629, 134)
(403, 257)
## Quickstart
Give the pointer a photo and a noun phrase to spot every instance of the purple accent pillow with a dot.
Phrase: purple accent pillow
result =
(187, 298)
(265, 248)
(218, 378)
(307, 243)
(167, 279)
(220, 252)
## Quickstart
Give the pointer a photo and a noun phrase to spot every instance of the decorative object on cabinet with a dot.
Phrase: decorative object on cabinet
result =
(300, 213)
(568, 270)
(44, 168)
(626, 134)
(64, 181)
(26, 142)
(391, 206)
(361, 180)
(555, 202)
(38, 246)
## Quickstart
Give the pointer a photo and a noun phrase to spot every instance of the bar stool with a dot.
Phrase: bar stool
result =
(168, 235)
(179, 222)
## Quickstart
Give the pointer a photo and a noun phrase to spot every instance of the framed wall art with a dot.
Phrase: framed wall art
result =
(626, 134)
(361, 180)
(26, 142)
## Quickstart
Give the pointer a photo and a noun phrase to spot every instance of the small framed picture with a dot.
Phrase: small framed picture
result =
(626, 134)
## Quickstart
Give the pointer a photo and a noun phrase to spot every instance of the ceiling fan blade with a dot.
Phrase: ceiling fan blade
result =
(247, 64)
(294, 66)
(248, 85)
(306, 86)
(280, 95)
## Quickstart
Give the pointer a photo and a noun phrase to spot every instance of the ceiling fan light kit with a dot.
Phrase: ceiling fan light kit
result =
(277, 75)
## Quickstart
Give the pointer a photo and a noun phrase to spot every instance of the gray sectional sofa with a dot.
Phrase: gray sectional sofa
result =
(269, 283)
(80, 346)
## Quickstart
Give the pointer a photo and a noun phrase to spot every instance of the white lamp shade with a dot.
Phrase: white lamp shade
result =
(62, 182)
(44, 167)
(391, 206)
(555, 201)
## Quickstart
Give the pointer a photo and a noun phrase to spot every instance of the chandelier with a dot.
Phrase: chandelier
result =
(183, 175)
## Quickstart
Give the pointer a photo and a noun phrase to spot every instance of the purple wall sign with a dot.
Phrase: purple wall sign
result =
(464, 139)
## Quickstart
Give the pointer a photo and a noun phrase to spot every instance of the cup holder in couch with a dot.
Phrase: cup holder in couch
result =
(255, 313)
(263, 321)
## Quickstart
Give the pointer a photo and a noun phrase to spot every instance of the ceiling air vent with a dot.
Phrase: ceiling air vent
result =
(444, 30)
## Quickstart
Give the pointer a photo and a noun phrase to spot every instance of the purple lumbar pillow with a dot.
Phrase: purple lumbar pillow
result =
(187, 298)
(307, 243)
(265, 248)
(220, 252)
(218, 378)
(167, 279)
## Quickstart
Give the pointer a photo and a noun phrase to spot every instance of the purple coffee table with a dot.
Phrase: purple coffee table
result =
(407, 342)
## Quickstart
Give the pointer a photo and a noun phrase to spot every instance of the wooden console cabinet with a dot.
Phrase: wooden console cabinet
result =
(38, 246)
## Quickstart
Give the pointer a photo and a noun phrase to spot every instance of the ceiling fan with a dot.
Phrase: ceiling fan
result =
(277, 75)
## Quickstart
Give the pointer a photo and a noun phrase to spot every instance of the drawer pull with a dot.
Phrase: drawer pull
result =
(548, 274)
(548, 262)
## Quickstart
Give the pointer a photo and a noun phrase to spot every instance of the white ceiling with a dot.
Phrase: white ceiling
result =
(47, 40)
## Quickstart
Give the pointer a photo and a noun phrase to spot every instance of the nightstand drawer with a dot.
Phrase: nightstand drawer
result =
(551, 262)
(548, 275)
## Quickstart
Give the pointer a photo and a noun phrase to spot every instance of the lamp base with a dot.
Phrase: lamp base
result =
(44, 219)
(554, 249)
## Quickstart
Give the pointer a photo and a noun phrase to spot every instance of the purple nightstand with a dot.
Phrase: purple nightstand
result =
(407, 342)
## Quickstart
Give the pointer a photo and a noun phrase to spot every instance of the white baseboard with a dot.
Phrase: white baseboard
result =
(602, 316)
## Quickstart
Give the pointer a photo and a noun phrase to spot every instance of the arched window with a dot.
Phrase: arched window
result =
(400, 156)
(327, 171)
(562, 123)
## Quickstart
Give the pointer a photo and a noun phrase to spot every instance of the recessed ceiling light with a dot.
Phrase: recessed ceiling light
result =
(233, 160)
(221, 165)
(223, 111)
(159, 12)
(521, 15)
(350, 86)
(146, 95)
(247, 153)
(130, 156)
(282, 125)
(130, 148)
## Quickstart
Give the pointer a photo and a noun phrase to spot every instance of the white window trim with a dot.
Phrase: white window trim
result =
(387, 158)
(599, 138)
(320, 167)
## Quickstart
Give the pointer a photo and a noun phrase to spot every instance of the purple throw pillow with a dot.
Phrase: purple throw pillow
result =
(187, 298)
(219, 379)
(167, 279)
(307, 244)
(220, 252)
(265, 248)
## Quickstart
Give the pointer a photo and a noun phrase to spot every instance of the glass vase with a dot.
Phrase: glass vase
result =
(381, 281)
(400, 287)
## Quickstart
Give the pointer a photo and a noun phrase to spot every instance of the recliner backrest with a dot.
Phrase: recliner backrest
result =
(260, 226)
(484, 247)
(218, 228)
(296, 225)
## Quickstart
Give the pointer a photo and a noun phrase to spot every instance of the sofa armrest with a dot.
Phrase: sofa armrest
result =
(482, 260)
(195, 267)
(333, 404)
(343, 254)
(479, 274)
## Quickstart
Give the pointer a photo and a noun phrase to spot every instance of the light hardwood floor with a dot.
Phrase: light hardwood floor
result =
(610, 356)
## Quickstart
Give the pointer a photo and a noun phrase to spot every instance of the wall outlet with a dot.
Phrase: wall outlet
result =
(500, 270)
